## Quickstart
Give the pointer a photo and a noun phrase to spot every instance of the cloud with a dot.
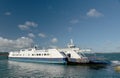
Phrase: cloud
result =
(23, 42)
(42, 35)
(8, 44)
(7, 13)
(54, 40)
(27, 25)
(94, 13)
(74, 21)
(31, 35)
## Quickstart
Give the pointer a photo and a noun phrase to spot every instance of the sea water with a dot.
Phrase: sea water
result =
(13, 69)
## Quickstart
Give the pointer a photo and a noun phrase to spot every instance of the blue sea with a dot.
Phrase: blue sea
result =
(13, 69)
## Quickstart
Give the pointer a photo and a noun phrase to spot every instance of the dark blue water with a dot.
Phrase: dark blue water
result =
(12, 69)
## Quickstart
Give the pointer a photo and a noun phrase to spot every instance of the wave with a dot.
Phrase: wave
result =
(115, 62)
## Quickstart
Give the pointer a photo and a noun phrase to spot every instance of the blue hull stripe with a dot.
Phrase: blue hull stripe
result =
(42, 60)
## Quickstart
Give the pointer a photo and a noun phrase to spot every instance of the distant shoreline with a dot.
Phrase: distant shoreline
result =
(4, 54)
(107, 52)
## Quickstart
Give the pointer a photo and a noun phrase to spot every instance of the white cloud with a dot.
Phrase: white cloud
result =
(23, 42)
(42, 35)
(8, 13)
(74, 21)
(27, 25)
(8, 44)
(54, 40)
(31, 35)
(94, 13)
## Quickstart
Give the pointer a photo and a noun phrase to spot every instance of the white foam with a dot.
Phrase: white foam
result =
(115, 62)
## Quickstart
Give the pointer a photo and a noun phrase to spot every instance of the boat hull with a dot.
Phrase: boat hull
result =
(40, 60)
(89, 63)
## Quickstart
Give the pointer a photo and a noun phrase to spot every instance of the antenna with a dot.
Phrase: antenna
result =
(71, 41)
(71, 44)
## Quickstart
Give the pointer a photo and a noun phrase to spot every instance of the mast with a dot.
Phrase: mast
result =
(71, 41)
(71, 44)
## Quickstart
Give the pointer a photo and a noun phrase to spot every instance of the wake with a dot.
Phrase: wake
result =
(115, 62)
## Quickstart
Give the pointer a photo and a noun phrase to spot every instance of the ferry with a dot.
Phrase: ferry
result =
(69, 55)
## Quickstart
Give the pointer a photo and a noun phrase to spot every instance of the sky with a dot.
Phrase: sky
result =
(93, 24)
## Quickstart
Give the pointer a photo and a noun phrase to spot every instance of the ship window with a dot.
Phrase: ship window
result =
(29, 49)
(44, 54)
(32, 54)
(22, 50)
(39, 54)
(74, 50)
(63, 53)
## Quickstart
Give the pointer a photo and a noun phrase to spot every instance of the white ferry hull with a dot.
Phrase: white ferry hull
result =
(40, 60)
(43, 56)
